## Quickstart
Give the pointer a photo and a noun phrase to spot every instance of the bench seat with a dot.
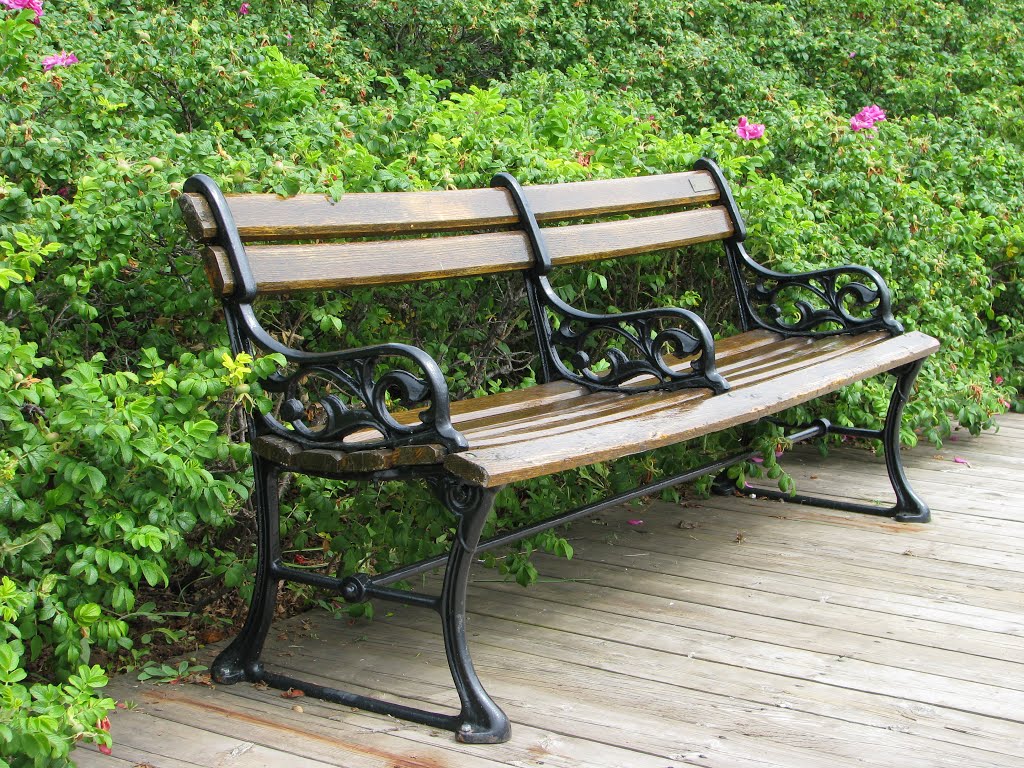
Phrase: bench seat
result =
(528, 433)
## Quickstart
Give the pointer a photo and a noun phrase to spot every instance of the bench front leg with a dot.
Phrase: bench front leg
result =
(241, 659)
(909, 508)
(481, 721)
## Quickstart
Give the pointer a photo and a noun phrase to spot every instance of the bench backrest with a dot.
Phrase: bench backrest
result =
(380, 238)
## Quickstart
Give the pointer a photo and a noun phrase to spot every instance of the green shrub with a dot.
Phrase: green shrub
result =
(124, 498)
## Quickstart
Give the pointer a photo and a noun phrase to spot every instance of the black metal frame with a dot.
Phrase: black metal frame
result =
(908, 507)
(372, 385)
(637, 332)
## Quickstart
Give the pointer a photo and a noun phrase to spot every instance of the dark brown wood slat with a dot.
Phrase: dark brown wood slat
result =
(477, 414)
(323, 461)
(740, 369)
(283, 268)
(578, 199)
(604, 411)
(664, 426)
(270, 217)
(218, 270)
(611, 239)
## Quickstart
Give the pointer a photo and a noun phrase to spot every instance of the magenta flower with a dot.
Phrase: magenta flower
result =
(244, 9)
(999, 380)
(874, 113)
(62, 59)
(857, 124)
(635, 522)
(867, 118)
(747, 130)
(21, 5)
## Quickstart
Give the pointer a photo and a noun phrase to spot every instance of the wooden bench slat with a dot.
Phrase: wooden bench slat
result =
(271, 217)
(333, 462)
(685, 419)
(549, 422)
(283, 268)
(747, 349)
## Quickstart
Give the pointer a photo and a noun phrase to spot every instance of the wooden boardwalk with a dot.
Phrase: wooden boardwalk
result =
(727, 632)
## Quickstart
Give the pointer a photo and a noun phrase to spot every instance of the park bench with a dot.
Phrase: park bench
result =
(609, 385)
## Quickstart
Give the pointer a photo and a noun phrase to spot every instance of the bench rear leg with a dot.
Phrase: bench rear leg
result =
(481, 721)
(241, 659)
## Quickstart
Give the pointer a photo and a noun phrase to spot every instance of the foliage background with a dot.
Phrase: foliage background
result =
(124, 501)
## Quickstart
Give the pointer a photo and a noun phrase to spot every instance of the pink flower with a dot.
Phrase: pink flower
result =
(856, 124)
(635, 522)
(867, 118)
(21, 5)
(244, 9)
(746, 130)
(62, 59)
(999, 380)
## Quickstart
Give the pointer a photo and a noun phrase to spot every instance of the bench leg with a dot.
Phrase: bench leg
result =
(909, 506)
(480, 721)
(241, 659)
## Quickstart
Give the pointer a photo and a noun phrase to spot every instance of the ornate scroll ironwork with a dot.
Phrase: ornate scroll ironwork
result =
(326, 401)
(608, 351)
(826, 302)
(604, 341)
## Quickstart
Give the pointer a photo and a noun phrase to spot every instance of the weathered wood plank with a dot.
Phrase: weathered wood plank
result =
(149, 738)
(284, 268)
(503, 464)
(680, 690)
(818, 606)
(858, 570)
(404, 744)
(271, 217)
(604, 409)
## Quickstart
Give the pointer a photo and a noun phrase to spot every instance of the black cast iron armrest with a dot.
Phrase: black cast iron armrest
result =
(633, 346)
(823, 302)
(326, 397)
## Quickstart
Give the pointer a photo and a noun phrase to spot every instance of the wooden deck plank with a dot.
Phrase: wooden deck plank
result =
(838, 630)
(721, 632)
(570, 668)
(750, 565)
